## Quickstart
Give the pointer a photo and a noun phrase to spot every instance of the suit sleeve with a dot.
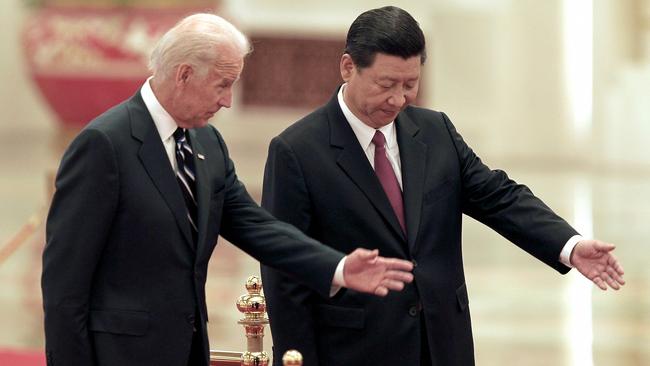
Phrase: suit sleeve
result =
(509, 208)
(285, 195)
(274, 243)
(77, 227)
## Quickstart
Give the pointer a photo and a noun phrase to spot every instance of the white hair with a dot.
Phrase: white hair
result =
(196, 40)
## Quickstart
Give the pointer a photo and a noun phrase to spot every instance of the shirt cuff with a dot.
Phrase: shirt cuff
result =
(338, 281)
(565, 254)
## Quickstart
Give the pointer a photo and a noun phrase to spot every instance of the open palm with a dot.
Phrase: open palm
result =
(594, 259)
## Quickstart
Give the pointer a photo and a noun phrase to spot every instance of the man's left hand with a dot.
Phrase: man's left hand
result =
(594, 259)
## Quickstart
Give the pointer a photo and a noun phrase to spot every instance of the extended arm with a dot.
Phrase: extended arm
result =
(512, 210)
(282, 246)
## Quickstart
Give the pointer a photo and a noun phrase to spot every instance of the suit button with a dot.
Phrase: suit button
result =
(190, 319)
(415, 263)
(413, 311)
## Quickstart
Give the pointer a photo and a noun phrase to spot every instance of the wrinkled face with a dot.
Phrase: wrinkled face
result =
(197, 98)
(376, 94)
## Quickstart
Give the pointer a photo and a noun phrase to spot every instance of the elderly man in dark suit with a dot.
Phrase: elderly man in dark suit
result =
(368, 168)
(141, 195)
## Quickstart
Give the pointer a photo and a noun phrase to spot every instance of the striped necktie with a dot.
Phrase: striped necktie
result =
(186, 178)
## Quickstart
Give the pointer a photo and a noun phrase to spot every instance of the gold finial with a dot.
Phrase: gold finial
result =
(254, 359)
(254, 285)
(253, 306)
(292, 358)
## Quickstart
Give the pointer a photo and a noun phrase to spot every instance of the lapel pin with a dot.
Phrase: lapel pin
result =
(200, 156)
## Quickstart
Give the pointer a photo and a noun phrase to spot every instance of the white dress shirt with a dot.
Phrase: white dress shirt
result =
(364, 134)
(164, 122)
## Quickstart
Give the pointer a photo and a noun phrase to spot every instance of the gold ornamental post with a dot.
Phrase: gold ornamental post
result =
(253, 306)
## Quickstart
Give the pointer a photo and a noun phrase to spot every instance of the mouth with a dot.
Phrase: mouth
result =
(389, 112)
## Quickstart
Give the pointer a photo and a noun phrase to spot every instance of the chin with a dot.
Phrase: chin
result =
(382, 118)
(381, 122)
(200, 123)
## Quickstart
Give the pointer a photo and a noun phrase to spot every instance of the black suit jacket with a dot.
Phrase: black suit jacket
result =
(318, 178)
(122, 280)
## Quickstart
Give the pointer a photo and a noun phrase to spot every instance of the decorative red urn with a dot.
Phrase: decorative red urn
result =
(85, 59)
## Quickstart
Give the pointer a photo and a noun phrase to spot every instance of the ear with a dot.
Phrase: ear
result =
(183, 75)
(347, 67)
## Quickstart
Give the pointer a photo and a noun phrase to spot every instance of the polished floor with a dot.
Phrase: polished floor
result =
(523, 312)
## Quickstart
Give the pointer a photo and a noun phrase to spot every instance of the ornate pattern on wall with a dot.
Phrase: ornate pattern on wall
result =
(291, 72)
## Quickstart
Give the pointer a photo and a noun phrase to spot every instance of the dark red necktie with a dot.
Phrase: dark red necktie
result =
(387, 177)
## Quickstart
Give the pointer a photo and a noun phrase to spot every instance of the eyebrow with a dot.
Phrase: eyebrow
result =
(388, 78)
(227, 80)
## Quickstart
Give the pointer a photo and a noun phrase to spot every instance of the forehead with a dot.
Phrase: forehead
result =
(389, 66)
(229, 64)
(228, 70)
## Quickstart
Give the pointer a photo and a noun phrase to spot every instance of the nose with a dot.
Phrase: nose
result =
(226, 99)
(397, 99)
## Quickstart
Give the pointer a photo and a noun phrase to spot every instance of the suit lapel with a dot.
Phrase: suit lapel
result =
(154, 159)
(413, 160)
(354, 163)
(203, 186)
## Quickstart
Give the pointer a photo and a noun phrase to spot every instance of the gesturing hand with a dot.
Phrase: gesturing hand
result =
(594, 259)
(366, 271)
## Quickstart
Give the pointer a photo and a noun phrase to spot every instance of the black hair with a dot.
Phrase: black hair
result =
(388, 30)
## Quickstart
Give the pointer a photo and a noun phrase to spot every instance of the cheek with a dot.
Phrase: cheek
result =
(185, 105)
(190, 101)
(210, 98)
(203, 102)
(379, 105)
(194, 106)
(376, 100)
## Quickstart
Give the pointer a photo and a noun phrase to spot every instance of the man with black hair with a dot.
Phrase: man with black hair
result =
(367, 168)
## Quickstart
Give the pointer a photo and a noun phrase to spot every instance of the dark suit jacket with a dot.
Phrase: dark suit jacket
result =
(122, 280)
(318, 178)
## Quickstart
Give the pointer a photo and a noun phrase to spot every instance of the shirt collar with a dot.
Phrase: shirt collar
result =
(364, 132)
(164, 122)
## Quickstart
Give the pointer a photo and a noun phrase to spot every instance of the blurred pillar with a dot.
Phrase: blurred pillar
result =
(621, 79)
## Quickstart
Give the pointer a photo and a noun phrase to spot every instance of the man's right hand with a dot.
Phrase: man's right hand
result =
(366, 271)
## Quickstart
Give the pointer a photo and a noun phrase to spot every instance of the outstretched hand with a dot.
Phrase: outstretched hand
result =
(594, 259)
(366, 271)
